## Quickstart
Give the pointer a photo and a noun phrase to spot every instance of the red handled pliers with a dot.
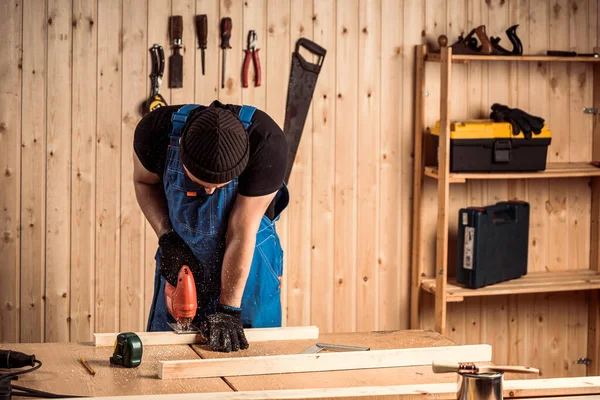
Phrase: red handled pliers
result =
(251, 52)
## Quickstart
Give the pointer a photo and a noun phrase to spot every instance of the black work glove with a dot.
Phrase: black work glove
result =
(225, 330)
(519, 119)
(174, 255)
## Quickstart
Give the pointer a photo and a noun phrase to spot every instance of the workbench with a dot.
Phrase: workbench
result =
(63, 373)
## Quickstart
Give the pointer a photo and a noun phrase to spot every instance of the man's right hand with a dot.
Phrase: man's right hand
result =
(174, 255)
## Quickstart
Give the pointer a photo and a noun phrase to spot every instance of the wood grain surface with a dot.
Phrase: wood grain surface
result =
(374, 340)
(62, 372)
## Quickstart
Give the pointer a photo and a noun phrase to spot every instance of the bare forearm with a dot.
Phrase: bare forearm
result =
(236, 267)
(153, 203)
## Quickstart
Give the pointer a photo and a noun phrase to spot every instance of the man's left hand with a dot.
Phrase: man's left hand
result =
(226, 332)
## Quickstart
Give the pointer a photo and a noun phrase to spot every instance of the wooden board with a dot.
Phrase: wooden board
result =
(332, 379)
(58, 169)
(373, 340)
(252, 335)
(83, 170)
(63, 373)
(132, 238)
(368, 160)
(10, 164)
(264, 365)
(298, 248)
(345, 235)
(323, 178)
(108, 152)
(33, 185)
(517, 389)
(157, 9)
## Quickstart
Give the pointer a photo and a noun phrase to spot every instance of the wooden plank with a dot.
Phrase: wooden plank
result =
(345, 235)
(262, 365)
(368, 159)
(58, 170)
(323, 179)
(232, 92)
(553, 170)
(416, 259)
(276, 74)
(187, 9)
(330, 379)
(412, 23)
(299, 246)
(33, 185)
(593, 342)
(11, 16)
(157, 9)
(252, 335)
(83, 169)
(391, 153)
(135, 68)
(108, 152)
(462, 58)
(207, 85)
(594, 303)
(441, 269)
(579, 388)
(580, 194)
(63, 373)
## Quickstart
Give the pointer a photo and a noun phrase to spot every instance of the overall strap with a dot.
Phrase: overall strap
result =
(245, 115)
(178, 118)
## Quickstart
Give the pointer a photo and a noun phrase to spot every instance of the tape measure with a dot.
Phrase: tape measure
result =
(127, 351)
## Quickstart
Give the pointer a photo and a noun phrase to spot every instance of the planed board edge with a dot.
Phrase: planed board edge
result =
(252, 335)
(265, 365)
(514, 389)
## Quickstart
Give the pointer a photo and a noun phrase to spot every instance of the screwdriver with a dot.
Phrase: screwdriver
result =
(202, 35)
(225, 36)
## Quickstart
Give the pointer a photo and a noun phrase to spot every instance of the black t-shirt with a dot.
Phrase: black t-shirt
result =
(268, 149)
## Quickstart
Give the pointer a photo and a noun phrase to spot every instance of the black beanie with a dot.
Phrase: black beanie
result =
(214, 146)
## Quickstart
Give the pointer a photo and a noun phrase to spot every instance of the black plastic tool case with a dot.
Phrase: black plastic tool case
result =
(493, 243)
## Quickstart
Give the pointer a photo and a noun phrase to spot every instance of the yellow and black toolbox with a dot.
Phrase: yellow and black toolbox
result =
(487, 146)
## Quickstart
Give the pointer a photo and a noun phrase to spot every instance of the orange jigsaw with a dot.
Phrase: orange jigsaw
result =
(182, 302)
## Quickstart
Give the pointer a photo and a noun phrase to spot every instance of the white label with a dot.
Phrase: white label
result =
(465, 218)
(468, 248)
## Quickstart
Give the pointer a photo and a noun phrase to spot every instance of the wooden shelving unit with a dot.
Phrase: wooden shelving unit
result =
(445, 289)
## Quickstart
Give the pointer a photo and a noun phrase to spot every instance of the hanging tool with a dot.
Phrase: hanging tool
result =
(318, 347)
(440, 367)
(182, 302)
(127, 351)
(176, 59)
(303, 80)
(251, 53)
(225, 36)
(156, 100)
(202, 31)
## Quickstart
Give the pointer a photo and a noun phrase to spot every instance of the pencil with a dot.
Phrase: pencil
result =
(90, 370)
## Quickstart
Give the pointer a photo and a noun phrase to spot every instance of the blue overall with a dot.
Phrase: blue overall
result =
(201, 221)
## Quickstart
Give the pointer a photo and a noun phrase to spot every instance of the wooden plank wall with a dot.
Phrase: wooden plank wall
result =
(78, 257)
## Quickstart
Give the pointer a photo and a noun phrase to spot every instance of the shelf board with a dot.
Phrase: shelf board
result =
(465, 58)
(553, 170)
(534, 282)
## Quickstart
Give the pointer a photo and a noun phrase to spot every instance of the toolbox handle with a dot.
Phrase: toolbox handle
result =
(504, 213)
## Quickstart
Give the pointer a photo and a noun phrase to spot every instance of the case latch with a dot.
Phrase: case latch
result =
(502, 151)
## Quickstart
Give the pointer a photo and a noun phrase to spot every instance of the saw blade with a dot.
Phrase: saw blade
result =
(187, 328)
